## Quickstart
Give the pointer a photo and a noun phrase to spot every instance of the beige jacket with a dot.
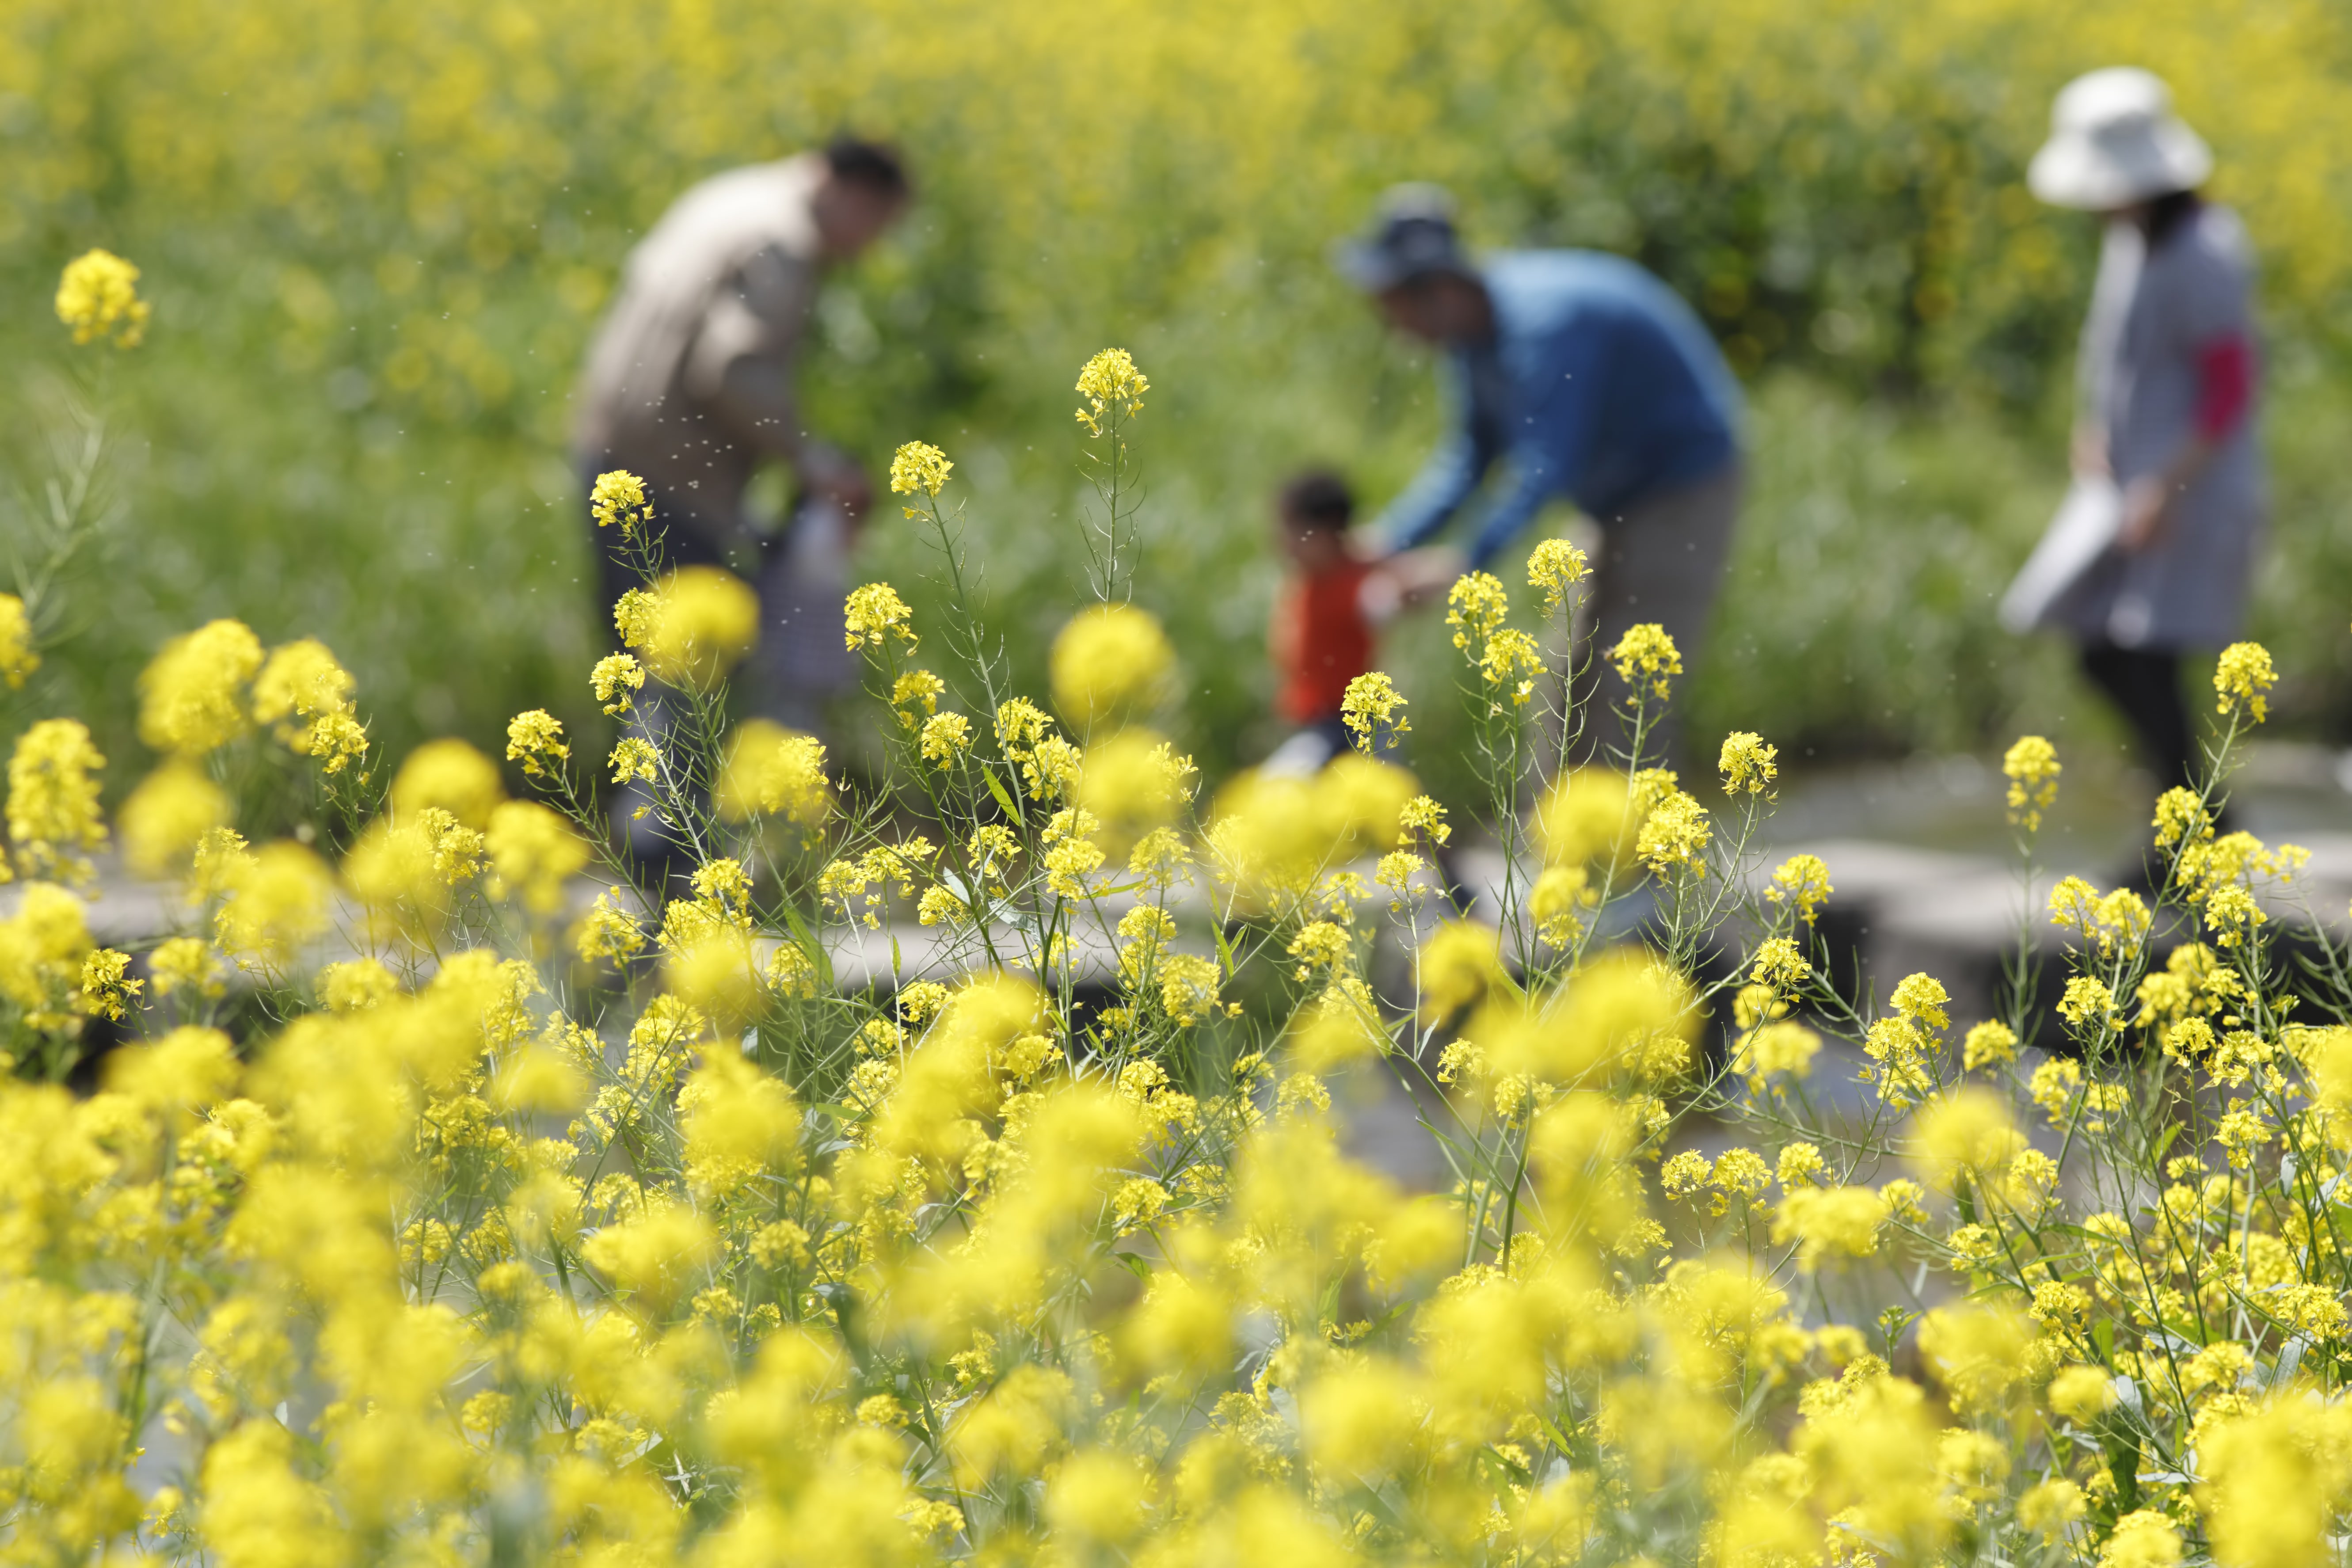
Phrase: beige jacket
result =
(689, 384)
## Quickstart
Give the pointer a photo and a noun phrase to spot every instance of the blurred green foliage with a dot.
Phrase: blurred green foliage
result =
(378, 237)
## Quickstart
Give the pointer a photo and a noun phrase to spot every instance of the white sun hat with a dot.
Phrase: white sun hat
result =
(2113, 141)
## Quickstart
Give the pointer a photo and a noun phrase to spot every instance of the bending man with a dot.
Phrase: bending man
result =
(1587, 378)
(690, 384)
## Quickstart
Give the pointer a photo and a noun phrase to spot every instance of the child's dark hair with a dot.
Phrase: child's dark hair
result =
(1318, 498)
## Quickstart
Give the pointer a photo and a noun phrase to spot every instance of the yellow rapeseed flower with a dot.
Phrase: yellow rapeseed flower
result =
(608, 931)
(633, 757)
(1828, 1222)
(1778, 1049)
(1746, 763)
(614, 680)
(1109, 664)
(186, 964)
(945, 737)
(1802, 881)
(1988, 1044)
(167, 816)
(1587, 815)
(874, 614)
(619, 497)
(1554, 903)
(1113, 387)
(303, 681)
(1456, 968)
(53, 816)
(278, 907)
(1674, 835)
(106, 986)
(98, 299)
(1968, 1133)
(1371, 703)
(771, 771)
(1555, 567)
(1779, 964)
(191, 694)
(1474, 609)
(535, 739)
(704, 620)
(2181, 818)
(919, 466)
(2032, 767)
(2241, 677)
(2048, 1508)
(533, 854)
(1422, 815)
(18, 658)
(1646, 655)
(2081, 1394)
(916, 695)
(452, 776)
(1512, 661)
(635, 613)
(2145, 1538)
(1134, 782)
(1923, 999)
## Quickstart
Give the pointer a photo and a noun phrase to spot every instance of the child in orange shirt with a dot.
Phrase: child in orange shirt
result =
(1328, 616)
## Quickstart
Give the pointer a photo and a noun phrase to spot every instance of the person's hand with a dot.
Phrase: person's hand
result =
(2090, 451)
(1428, 573)
(2147, 512)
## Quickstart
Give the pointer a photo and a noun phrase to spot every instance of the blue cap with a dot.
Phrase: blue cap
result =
(1412, 234)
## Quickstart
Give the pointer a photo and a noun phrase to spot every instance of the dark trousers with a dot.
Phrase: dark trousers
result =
(2144, 685)
(799, 665)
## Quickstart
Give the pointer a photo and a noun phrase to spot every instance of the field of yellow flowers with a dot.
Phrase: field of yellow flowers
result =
(385, 231)
(456, 1190)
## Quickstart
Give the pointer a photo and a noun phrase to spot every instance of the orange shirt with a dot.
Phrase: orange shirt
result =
(1320, 640)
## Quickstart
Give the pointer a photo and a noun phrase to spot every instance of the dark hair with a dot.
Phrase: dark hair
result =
(1318, 497)
(2165, 213)
(874, 164)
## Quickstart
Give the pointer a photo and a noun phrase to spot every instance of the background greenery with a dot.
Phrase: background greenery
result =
(378, 237)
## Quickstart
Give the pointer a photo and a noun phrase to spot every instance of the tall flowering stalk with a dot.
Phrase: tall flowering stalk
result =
(1113, 388)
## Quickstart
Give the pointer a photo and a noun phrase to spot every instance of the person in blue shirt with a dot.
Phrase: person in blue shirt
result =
(1587, 379)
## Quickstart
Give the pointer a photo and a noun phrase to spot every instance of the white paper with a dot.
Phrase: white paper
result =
(2083, 531)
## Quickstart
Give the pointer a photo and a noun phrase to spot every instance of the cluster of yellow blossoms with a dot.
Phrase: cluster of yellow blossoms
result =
(949, 1164)
(98, 300)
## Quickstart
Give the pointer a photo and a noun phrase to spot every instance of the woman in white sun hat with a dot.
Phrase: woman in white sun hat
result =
(2167, 473)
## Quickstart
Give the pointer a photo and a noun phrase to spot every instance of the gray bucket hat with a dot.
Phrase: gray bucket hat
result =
(2113, 141)
(1410, 235)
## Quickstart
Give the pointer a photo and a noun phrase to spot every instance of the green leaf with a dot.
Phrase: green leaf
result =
(803, 934)
(996, 788)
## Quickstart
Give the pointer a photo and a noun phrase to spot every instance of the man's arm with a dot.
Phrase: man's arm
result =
(742, 363)
(743, 367)
(1530, 486)
(1553, 444)
(1445, 481)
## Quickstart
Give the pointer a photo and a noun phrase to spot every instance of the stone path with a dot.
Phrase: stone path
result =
(1919, 852)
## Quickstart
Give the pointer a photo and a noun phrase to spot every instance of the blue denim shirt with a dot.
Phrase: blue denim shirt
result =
(1599, 385)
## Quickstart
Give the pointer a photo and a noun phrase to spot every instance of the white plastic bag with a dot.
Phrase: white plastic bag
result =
(2078, 538)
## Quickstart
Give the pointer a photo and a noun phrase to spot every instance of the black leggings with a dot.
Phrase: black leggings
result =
(2145, 685)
